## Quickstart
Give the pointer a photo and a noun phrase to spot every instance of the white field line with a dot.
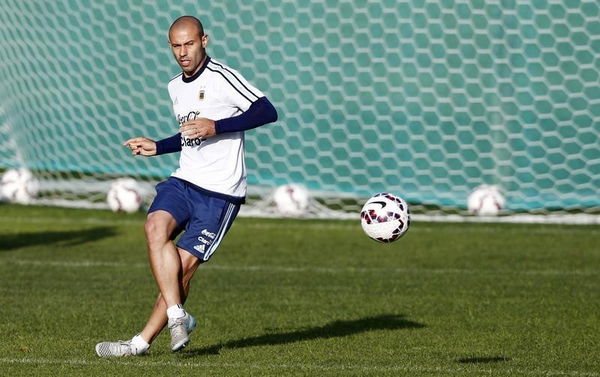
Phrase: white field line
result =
(303, 224)
(302, 366)
(308, 269)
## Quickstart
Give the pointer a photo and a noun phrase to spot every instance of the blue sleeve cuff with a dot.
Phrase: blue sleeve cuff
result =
(169, 145)
(259, 113)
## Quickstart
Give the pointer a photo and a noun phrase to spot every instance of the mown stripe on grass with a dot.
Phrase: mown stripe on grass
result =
(311, 269)
(318, 225)
(298, 366)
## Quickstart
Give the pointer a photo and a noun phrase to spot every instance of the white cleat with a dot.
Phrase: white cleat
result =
(116, 349)
(190, 323)
(180, 329)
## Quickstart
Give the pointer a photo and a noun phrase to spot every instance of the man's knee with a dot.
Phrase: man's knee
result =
(158, 227)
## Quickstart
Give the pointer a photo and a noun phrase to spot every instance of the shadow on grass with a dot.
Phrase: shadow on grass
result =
(62, 238)
(331, 330)
(480, 360)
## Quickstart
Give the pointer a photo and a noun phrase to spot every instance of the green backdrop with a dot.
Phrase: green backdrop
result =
(423, 98)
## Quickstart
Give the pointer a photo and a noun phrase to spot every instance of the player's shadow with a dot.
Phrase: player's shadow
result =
(331, 330)
(60, 238)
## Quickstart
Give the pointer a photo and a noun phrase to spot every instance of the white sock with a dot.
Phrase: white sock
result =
(175, 311)
(139, 344)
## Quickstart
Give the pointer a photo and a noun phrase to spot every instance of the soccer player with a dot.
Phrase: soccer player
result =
(214, 105)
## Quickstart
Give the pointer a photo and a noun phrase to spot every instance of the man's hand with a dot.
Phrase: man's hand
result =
(198, 128)
(141, 146)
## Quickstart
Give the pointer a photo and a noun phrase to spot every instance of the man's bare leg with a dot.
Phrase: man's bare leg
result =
(164, 258)
(158, 318)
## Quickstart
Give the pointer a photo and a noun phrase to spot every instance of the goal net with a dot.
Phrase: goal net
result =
(426, 99)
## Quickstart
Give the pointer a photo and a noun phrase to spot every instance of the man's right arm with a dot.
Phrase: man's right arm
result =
(148, 147)
(141, 146)
(169, 145)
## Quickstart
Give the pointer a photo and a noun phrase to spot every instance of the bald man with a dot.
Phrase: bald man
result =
(213, 105)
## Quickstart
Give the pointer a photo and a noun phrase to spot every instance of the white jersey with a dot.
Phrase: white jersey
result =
(215, 92)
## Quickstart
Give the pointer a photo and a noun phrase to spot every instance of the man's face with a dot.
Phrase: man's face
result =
(188, 47)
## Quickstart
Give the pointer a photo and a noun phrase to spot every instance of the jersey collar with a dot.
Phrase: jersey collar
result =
(197, 74)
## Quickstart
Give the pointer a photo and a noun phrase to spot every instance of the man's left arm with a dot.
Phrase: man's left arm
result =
(259, 113)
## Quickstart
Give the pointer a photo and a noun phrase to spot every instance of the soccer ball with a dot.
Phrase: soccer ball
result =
(19, 186)
(385, 217)
(485, 200)
(291, 199)
(124, 195)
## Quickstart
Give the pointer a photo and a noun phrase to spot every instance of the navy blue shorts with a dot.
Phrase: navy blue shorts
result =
(205, 218)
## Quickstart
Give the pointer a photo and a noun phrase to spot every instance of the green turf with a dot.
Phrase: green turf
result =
(305, 298)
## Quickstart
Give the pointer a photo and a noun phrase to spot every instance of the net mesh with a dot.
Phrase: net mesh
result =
(426, 99)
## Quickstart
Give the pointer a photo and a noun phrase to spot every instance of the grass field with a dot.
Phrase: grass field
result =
(305, 298)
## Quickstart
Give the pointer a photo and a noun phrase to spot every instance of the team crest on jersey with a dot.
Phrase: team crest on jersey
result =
(201, 95)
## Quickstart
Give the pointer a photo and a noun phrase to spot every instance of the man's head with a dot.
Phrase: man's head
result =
(188, 43)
